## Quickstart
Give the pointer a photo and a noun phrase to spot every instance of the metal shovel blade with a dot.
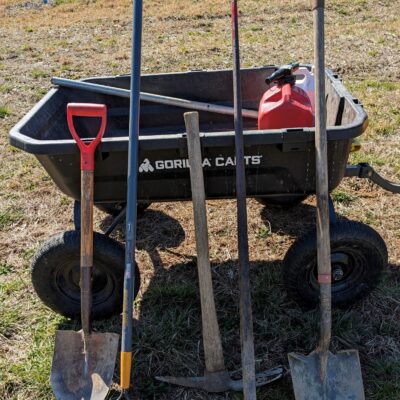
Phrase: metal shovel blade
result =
(83, 367)
(342, 381)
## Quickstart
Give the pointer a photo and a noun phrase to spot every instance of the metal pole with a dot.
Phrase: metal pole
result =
(154, 98)
(246, 319)
(131, 209)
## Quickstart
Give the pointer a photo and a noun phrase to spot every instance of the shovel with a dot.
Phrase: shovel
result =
(323, 375)
(83, 362)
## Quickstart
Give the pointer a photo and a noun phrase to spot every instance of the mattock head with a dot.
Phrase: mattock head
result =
(221, 381)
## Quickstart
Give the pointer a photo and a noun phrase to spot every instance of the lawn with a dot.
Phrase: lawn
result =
(77, 39)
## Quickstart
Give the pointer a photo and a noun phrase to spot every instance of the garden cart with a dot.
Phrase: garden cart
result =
(280, 169)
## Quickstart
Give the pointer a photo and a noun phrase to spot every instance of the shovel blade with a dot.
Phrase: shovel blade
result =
(83, 367)
(343, 379)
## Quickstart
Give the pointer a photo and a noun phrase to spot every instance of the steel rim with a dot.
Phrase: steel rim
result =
(67, 282)
(348, 267)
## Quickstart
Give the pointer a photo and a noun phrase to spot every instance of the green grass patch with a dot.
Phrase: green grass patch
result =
(38, 73)
(6, 88)
(172, 293)
(4, 111)
(9, 217)
(370, 158)
(339, 196)
(32, 372)
(386, 382)
(381, 85)
(5, 268)
(263, 232)
(39, 93)
(61, 2)
(26, 47)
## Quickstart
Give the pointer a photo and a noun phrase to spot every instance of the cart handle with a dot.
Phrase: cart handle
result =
(86, 148)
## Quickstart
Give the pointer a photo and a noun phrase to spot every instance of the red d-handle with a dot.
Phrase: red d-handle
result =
(87, 149)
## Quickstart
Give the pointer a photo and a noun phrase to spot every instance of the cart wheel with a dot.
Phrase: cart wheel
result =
(55, 275)
(115, 208)
(358, 256)
(284, 201)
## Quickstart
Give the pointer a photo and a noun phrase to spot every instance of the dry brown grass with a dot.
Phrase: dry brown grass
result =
(83, 38)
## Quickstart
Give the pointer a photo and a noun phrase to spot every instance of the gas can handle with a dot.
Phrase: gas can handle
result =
(87, 148)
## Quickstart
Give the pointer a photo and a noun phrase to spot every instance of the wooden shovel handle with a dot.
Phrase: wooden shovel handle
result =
(87, 185)
(321, 166)
(87, 149)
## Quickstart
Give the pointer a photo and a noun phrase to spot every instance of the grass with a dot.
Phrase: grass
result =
(37, 73)
(79, 39)
(9, 216)
(4, 112)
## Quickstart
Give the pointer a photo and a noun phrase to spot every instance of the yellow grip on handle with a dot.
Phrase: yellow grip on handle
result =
(126, 364)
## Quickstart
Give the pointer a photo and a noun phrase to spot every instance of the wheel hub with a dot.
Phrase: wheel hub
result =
(337, 274)
(68, 282)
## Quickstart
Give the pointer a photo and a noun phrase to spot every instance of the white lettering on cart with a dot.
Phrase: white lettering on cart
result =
(183, 163)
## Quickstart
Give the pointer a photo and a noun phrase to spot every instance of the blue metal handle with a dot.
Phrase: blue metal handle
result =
(131, 211)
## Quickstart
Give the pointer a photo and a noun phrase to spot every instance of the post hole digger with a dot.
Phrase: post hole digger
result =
(84, 361)
(323, 375)
(131, 209)
(216, 378)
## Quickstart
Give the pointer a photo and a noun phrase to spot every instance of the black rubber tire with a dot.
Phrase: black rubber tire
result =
(115, 208)
(284, 201)
(55, 275)
(358, 255)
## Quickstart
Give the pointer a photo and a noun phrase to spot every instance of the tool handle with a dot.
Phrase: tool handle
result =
(246, 317)
(151, 97)
(213, 352)
(318, 4)
(131, 217)
(86, 148)
(86, 268)
(322, 190)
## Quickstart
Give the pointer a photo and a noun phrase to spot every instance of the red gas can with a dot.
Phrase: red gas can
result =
(285, 105)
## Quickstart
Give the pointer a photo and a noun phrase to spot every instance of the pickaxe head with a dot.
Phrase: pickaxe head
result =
(221, 381)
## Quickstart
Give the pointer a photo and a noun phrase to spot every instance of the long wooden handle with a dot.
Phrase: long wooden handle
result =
(321, 163)
(214, 358)
(86, 248)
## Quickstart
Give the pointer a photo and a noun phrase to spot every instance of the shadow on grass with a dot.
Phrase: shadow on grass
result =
(155, 231)
(167, 334)
(293, 221)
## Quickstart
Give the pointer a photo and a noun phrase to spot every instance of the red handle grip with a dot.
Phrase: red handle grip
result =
(87, 149)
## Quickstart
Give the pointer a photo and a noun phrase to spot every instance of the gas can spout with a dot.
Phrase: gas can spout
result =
(283, 75)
